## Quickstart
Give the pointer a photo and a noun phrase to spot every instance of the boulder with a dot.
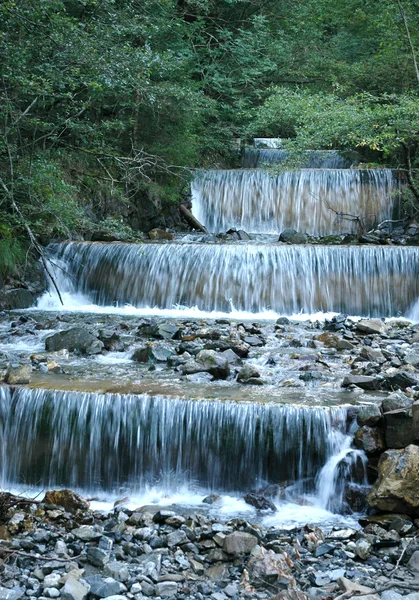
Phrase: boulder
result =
(259, 501)
(365, 382)
(395, 401)
(370, 439)
(66, 498)
(247, 372)
(75, 339)
(208, 361)
(157, 351)
(18, 375)
(290, 236)
(372, 355)
(401, 380)
(369, 415)
(16, 299)
(396, 489)
(371, 326)
(399, 428)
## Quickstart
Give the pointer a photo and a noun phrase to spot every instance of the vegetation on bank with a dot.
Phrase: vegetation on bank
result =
(107, 105)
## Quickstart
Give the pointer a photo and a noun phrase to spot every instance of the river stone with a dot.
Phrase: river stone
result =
(97, 556)
(18, 375)
(401, 380)
(395, 401)
(270, 566)
(372, 355)
(370, 439)
(16, 299)
(66, 498)
(86, 533)
(102, 587)
(371, 326)
(239, 542)
(214, 363)
(160, 234)
(176, 538)
(415, 418)
(117, 570)
(399, 428)
(167, 331)
(166, 589)
(369, 415)
(75, 339)
(291, 236)
(11, 594)
(157, 351)
(396, 489)
(74, 590)
(413, 563)
(365, 382)
(247, 372)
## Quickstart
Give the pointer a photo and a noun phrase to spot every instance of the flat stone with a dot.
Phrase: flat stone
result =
(364, 382)
(86, 533)
(74, 590)
(97, 556)
(369, 415)
(118, 570)
(176, 538)
(11, 594)
(166, 589)
(18, 375)
(102, 587)
(239, 542)
(371, 326)
(413, 563)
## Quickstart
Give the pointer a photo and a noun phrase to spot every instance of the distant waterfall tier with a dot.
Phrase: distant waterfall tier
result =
(357, 280)
(318, 202)
(311, 159)
(110, 442)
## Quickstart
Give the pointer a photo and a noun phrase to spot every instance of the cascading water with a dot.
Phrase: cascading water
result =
(321, 159)
(305, 200)
(118, 442)
(358, 280)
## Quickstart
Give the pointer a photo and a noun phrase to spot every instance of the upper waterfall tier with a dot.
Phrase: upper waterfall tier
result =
(358, 280)
(95, 441)
(319, 202)
(311, 159)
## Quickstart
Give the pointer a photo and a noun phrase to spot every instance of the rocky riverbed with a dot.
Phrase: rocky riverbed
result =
(59, 548)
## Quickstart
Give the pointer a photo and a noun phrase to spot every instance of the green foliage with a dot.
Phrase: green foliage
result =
(12, 251)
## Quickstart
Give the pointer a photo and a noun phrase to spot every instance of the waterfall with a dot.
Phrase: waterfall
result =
(358, 280)
(312, 159)
(305, 200)
(108, 442)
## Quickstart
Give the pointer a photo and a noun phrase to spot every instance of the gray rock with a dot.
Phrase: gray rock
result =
(11, 594)
(97, 556)
(371, 326)
(166, 589)
(413, 563)
(101, 587)
(364, 382)
(86, 533)
(74, 590)
(239, 542)
(399, 428)
(247, 372)
(76, 339)
(18, 375)
(118, 570)
(395, 401)
(290, 236)
(176, 538)
(16, 299)
(51, 592)
(369, 415)
(363, 549)
(401, 380)
(52, 580)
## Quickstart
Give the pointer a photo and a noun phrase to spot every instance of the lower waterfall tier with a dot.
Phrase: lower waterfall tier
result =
(117, 442)
(357, 280)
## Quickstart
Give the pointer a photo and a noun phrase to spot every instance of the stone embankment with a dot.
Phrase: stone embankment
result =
(58, 548)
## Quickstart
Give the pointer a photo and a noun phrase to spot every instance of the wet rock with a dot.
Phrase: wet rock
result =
(269, 566)
(238, 234)
(18, 375)
(247, 372)
(399, 428)
(371, 326)
(413, 563)
(160, 234)
(167, 331)
(97, 556)
(363, 549)
(111, 341)
(75, 339)
(208, 361)
(291, 236)
(398, 482)
(212, 499)
(232, 357)
(66, 498)
(16, 299)
(176, 538)
(395, 401)
(330, 340)
(259, 501)
(370, 439)
(372, 355)
(401, 380)
(364, 382)
(86, 533)
(369, 415)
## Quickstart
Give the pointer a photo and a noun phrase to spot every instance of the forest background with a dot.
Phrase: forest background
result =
(108, 106)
